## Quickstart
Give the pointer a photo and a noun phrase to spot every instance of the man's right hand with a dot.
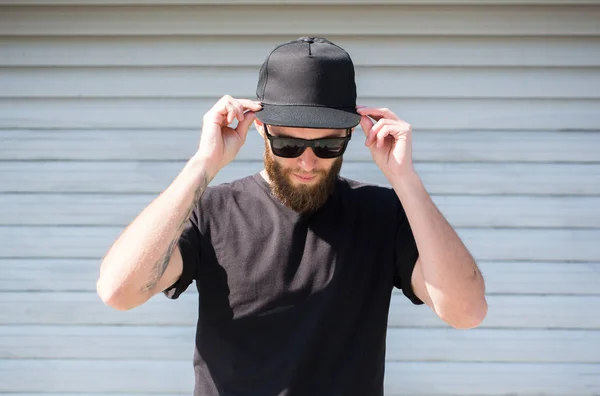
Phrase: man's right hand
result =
(220, 143)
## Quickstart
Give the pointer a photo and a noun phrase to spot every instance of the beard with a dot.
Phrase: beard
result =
(302, 198)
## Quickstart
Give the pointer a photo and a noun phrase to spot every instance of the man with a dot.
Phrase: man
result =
(295, 266)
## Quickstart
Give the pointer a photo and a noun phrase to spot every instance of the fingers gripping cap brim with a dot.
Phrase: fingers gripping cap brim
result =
(309, 116)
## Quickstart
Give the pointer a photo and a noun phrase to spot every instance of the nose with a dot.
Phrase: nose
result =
(308, 160)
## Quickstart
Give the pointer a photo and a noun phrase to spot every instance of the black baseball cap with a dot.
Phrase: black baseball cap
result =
(308, 83)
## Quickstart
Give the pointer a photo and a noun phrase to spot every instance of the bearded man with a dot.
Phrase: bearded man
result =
(295, 265)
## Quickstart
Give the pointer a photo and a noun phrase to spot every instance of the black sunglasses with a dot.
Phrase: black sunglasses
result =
(289, 147)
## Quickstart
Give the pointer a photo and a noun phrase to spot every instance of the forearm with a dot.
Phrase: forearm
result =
(452, 279)
(135, 263)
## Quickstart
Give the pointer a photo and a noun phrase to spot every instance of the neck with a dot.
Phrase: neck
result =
(265, 176)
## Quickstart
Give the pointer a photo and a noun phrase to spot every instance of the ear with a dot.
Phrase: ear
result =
(260, 127)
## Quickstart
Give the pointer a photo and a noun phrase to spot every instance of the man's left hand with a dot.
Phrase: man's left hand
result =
(389, 139)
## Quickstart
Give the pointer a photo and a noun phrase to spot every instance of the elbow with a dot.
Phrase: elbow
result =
(472, 320)
(470, 308)
(469, 317)
(113, 296)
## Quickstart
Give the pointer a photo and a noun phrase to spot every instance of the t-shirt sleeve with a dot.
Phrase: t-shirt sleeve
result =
(406, 255)
(189, 245)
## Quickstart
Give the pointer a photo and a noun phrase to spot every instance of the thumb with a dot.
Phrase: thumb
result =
(244, 125)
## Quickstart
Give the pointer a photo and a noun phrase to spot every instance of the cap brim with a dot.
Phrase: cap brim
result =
(308, 116)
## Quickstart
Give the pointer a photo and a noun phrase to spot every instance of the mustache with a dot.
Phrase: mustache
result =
(304, 173)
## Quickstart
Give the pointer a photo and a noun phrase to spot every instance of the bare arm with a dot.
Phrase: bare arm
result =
(446, 276)
(145, 259)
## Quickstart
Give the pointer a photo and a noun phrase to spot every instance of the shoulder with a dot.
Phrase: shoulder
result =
(223, 203)
(369, 197)
(241, 197)
(363, 190)
(222, 194)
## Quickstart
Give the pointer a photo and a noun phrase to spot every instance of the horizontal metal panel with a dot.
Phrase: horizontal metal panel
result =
(440, 51)
(423, 345)
(510, 311)
(80, 376)
(329, 19)
(172, 145)
(541, 278)
(492, 345)
(502, 277)
(497, 379)
(477, 211)
(294, 2)
(169, 113)
(372, 82)
(439, 178)
(402, 378)
(539, 312)
(84, 308)
(92, 394)
(484, 243)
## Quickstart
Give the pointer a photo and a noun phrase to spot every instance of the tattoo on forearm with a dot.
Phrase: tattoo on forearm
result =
(159, 268)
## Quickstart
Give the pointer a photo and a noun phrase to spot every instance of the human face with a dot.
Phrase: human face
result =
(303, 183)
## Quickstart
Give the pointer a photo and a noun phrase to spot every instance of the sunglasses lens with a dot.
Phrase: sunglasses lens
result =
(329, 148)
(288, 148)
(293, 147)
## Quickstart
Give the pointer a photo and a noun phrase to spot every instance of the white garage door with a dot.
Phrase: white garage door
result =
(100, 106)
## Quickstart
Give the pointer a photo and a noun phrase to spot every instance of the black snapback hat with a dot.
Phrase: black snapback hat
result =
(308, 83)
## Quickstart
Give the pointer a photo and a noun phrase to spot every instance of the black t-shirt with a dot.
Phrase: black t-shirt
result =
(294, 304)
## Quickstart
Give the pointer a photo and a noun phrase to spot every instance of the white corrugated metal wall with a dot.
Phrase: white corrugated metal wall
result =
(100, 105)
